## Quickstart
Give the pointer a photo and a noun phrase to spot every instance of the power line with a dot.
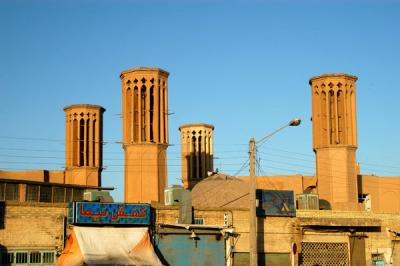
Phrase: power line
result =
(295, 156)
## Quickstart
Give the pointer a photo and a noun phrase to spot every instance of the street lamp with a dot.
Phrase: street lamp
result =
(252, 192)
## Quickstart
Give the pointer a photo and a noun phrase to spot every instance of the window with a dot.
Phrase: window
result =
(68, 194)
(28, 257)
(45, 193)
(377, 259)
(2, 188)
(199, 221)
(32, 193)
(21, 257)
(58, 194)
(11, 191)
(77, 194)
(35, 257)
(48, 257)
(40, 193)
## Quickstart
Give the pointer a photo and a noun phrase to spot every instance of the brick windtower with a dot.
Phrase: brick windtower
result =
(335, 138)
(83, 144)
(145, 133)
(196, 152)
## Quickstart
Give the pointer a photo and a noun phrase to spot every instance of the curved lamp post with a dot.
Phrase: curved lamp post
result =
(252, 192)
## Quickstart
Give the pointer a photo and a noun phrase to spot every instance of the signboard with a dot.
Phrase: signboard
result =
(275, 203)
(109, 213)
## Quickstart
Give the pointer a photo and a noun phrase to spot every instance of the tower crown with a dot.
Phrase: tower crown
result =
(185, 126)
(84, 143)
(145, 105)
(84, 106)
(196, 152)
(334, 110)
(333, 76)
(144, 70)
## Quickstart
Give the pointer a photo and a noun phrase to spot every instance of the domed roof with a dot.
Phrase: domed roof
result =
(220, 190)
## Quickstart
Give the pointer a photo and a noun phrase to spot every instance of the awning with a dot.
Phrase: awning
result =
(108, 246)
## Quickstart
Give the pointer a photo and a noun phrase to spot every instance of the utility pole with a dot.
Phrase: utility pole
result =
(252, 191)
(252, 208)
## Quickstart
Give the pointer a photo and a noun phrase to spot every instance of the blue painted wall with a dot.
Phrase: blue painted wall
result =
(180, 250)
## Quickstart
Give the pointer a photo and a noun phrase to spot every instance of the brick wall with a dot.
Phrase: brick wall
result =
(41, 226)
(33, 226)
(276, 234)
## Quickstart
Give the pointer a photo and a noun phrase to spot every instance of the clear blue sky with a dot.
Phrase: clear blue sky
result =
(243, 66)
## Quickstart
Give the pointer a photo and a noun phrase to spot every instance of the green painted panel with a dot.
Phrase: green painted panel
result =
(267, 259)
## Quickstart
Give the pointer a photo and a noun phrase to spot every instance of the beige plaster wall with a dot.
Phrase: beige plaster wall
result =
(34, 175)
(145, 172)
(383, 191)
(84, 176)
(337, 176)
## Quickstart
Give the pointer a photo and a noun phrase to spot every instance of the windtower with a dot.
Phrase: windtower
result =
(335, 138)
(196, 152)
(83, 144)
(145, 133)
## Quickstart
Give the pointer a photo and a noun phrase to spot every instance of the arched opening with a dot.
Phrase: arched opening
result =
(74, 143)
(164, 114)
(94, 143)
(200, 159)
(332, 118)
(188, 155)
(136, 114)
(353, 118)
(87, 143)
(193, 158)
(324, 119)
(143, 113)
(151, 113)
(340, 111)
(128, 119)
(81, 141)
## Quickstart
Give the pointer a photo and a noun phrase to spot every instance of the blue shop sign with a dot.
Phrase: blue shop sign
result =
(109, 213)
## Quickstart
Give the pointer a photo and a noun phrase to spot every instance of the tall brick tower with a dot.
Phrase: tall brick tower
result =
(335, 138)
(196, 152)
(145, 133)
(83, 144)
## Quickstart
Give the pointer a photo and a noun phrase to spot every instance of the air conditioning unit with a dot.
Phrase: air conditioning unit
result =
(308, 201)
(98, 196)
(173, 195)
(178, 196)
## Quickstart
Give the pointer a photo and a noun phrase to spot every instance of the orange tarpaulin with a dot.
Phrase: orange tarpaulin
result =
(71, 254)
(102, 245)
